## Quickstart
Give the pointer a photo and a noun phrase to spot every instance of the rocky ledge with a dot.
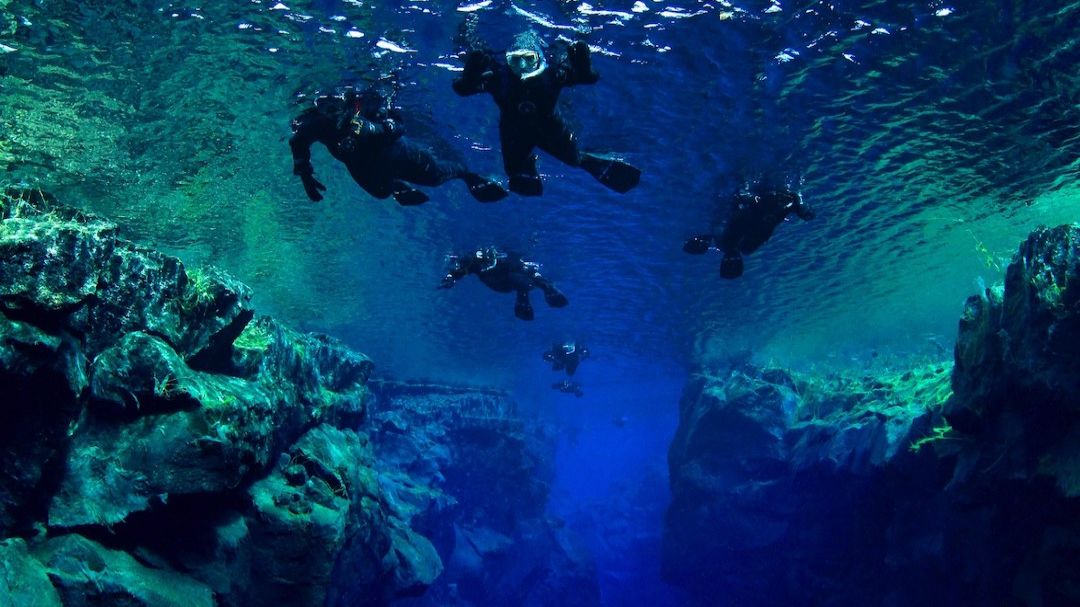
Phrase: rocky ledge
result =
(951, 484)
(466, 471)
(163, 445)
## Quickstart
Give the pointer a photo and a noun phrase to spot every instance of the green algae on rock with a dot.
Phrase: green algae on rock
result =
(154, 412)
(24, 580)
(796, 489)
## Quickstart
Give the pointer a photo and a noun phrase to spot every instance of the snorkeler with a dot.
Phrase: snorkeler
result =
(567, 356)
(504, 272)
(754, 216)
(525, 84)
(569, 387)
(364, 131)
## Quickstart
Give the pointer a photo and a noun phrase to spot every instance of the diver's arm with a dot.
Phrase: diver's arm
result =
(478, 74)
(578, 67)
(453, 275)
(306, 130)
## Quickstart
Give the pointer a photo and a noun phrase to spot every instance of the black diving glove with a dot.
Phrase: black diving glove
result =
(580, 58)
(307, 176)
(477, 70)
(476, 63)
(312, 187)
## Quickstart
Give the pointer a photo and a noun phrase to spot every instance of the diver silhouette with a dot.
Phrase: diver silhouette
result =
(569, 387)
(753, 217)
(504, 273)
(567, 355)
(364, 131)
(525, 83)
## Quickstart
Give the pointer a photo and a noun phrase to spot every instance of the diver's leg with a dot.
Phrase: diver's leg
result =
(554, 297)
(755, 237)
(559, 141)
(420, 165)
(730, 242)
(698, 245)
(614, 173)
(519, 161)
(731, 266)
(379, 185)
(414, 164)
(522, 307)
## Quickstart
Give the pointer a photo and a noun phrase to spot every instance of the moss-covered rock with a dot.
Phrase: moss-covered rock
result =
(797, 489)
(23, 580)
(1026, 337)
(87, 574)
(62, 268)
(464, 469)
(321, 536)
(779, 479)
(41, 375)
(146, 409)
(1018, 365)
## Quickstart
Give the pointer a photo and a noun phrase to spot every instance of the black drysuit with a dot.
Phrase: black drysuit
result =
(370, 142)
(529, 116)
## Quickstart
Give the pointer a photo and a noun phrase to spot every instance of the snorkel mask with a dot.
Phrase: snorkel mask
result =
(526, 58)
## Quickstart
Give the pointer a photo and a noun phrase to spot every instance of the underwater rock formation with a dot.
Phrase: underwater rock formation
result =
(928, 487)
(176, 449)
(466, 471)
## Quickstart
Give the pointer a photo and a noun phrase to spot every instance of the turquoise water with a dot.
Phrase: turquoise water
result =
(930, 137)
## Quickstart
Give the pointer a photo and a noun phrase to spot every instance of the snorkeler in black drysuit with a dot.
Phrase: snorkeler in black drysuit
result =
(526, 89)
(754, 215)
(567, 355)
(504, 272)
(365, 132)
(569, 387)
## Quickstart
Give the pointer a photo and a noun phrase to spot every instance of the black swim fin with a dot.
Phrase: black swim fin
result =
(484, 189)
(731, 267)
(555, 298)
(408, 196)
(698, 245)
(612, 172)
(487, 191)
(526, 185)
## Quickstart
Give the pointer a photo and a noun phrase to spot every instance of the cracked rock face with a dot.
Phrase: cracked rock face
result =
(150, 409)
(895, 489)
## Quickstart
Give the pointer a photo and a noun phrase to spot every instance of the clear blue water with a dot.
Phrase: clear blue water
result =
(929, 136)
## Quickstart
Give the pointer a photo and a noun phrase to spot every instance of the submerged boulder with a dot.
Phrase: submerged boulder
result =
(318, 536)
(87, 573)
(177, 449)
(775, 478)
(1018, 365)
(935, 486)
(465, 470)
(23, 579)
